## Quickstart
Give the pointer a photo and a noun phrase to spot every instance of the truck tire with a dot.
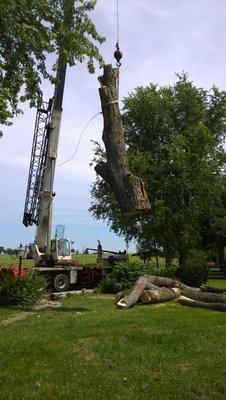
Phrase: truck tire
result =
(61, 283)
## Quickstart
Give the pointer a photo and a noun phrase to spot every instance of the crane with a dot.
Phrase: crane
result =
(52, 257)
(40, 194)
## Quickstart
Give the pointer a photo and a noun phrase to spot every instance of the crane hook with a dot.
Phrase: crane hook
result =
(118, 55)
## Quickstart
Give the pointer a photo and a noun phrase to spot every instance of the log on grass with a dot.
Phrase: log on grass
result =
(159, 295)
(151, 282)
(195, 303)
(185, 288)
(128, 189)
(206, 296)
(143, 283)
(212, 289)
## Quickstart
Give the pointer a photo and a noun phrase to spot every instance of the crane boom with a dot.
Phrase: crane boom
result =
(43, 234)
(39, 196)
(37, 165)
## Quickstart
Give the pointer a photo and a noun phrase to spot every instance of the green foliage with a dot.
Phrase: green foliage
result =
(22, 291)
(125, 275)
(174, 138)
(31, 30)
(193, 273)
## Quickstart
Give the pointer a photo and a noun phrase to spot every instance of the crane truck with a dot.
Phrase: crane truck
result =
(52, 257)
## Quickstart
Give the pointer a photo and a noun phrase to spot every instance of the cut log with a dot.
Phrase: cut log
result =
(143, 283)
(195, 303)
(159, 295)
(185, 288)
(128, 189)
(212, 289)
(206, 296)
(150, 282)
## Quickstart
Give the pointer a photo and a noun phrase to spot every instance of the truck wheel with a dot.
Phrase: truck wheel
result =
(61, 283)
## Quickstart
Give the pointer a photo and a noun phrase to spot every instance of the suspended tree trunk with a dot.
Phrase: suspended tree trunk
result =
(128, 189)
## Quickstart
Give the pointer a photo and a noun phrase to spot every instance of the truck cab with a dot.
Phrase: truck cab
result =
(60, 250)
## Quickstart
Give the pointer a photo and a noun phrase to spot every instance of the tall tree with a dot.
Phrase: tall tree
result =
(213, 229)
(31, 30)
(174, 137)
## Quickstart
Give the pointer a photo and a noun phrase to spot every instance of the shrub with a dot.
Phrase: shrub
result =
(125, 275)
(22, 291)
(193, 273)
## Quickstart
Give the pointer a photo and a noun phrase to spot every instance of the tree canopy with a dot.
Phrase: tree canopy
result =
(175, 137)
(31, 30)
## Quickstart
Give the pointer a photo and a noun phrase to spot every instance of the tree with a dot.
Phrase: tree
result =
(175, 137)
(31, 30)
(213, 229)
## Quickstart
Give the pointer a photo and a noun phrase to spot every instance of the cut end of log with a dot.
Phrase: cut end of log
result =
(135, 196)
(121, 304)
(135, 213)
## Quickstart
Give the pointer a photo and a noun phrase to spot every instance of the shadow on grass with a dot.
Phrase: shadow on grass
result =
(71, 309)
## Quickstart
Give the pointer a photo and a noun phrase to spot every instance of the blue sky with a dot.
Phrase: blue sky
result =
(158, 38)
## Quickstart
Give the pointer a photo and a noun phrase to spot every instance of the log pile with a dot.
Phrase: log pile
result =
(150, 289)
(129, 190)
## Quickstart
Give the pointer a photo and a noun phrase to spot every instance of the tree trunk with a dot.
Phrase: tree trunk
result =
(212, 289)
(128, 189)
(159, 295)
(150, 282)
(183, 256)
(195, 303)
(206, 297)
(221, 256)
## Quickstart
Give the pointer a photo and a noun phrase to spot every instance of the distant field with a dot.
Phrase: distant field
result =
(6, 260)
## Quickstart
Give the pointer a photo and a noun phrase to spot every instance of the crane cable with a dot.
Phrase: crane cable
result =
(117, 56)
(79, 140)
(117, 53)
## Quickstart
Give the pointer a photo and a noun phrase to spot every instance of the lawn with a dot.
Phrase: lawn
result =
(89, 350)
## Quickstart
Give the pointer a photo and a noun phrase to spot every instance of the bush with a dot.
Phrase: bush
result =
(125, 275)
(22, 291)
(194, 273)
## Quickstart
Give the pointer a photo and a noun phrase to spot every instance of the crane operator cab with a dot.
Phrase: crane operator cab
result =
(61, 249)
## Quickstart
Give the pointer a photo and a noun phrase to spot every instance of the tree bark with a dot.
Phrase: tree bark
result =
(183, 253)
(128, 189)
(206, 297)
(195, 303)
(221, 256)
(159, 295)
(212, 289)
(150, 282)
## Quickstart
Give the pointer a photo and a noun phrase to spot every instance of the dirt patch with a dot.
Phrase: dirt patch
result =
(43, 305)
(82, 348)
(184, 366)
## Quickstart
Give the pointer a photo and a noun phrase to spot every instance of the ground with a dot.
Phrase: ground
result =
(89, 350)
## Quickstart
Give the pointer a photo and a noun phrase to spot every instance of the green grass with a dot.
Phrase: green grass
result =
(6, 260)
(89, 350)
(6, 312)
(221, 283)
